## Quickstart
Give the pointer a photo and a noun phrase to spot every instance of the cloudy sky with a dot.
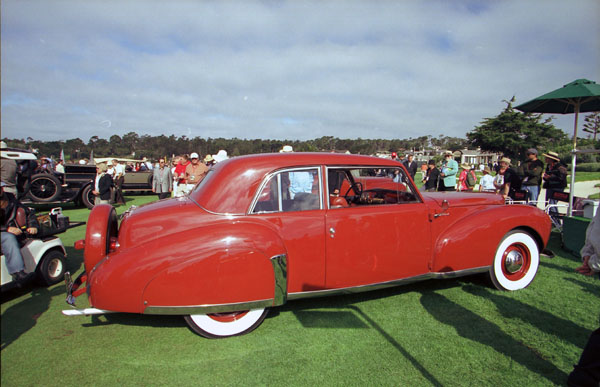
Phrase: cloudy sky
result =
(284, 69)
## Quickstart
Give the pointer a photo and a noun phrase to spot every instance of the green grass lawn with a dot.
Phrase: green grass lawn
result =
(442, 332)
(584, 176)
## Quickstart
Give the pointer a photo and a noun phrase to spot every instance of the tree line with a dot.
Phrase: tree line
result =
(132, 145)
(510, 133)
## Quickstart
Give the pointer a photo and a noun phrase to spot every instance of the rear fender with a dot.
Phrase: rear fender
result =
(223, 264)
(472, 240)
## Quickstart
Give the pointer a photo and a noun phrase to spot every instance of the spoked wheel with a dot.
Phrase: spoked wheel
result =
(44, 187)
(516, 261)
(220, 325)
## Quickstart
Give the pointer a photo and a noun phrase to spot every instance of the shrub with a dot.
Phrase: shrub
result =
(587, 167)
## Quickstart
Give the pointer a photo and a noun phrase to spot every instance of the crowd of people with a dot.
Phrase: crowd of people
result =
(516, 182)
(174, 178)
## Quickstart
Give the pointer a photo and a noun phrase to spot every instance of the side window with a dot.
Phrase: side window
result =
(293, 190)
(348, 187)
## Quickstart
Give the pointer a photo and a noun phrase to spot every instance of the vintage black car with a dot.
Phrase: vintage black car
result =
(75, 185)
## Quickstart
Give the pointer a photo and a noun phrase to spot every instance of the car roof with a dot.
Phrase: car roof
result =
(232, 184)
(312, 158)
(17, 154)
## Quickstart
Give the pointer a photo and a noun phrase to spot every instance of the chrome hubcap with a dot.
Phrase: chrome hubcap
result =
(513, 261)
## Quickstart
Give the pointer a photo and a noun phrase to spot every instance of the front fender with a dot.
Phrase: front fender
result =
(227, 263)
(471, 240)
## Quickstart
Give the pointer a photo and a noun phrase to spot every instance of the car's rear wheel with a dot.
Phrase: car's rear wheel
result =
(516, 261)
(220, 325)
(52, 268)
(44, 187)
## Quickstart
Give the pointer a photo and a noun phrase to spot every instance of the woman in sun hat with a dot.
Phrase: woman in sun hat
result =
(507, 180)
(486, 183)
(463, 178)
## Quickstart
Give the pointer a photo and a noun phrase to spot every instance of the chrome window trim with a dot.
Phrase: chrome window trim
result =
(268, 177)
(413, 188)
(279, 195)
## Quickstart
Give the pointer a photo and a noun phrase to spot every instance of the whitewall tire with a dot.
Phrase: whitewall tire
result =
(219, 325)
(516, 261)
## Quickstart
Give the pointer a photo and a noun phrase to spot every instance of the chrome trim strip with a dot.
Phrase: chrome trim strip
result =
(279, 263)
(210, 308)
(388, 284)
(279, 195)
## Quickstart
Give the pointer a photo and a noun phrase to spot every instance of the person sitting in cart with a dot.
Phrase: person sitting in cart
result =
(12, 233)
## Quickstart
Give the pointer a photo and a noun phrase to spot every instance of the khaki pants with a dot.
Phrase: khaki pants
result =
(97, 200)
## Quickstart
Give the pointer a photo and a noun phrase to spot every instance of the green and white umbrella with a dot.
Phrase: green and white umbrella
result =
(579, 96)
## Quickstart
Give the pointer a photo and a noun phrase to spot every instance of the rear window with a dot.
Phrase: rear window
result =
(290, 190)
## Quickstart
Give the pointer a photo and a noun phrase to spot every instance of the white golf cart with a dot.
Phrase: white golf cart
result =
(43, 254)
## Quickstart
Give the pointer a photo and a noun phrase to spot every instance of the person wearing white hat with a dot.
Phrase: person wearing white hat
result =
(286, 149)
(220, 156)
(195, 171)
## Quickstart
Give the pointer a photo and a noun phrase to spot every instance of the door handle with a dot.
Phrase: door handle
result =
(332, 232)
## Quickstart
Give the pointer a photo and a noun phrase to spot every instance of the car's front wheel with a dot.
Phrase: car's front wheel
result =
(516, 261)
(87, 197)
(220, 325)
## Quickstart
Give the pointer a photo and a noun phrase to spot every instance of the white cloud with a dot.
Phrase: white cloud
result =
(295, 70)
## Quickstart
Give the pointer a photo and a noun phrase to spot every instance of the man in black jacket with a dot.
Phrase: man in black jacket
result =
(432, 177)
(12, 232)
(411, 166)
(531, 170)
(103, 185)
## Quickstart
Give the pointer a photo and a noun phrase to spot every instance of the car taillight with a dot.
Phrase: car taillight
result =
(114, 244)
(80, 244)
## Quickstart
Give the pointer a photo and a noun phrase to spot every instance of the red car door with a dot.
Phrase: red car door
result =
(374, 243)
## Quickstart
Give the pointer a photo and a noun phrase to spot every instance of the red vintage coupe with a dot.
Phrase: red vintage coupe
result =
(264, 229)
